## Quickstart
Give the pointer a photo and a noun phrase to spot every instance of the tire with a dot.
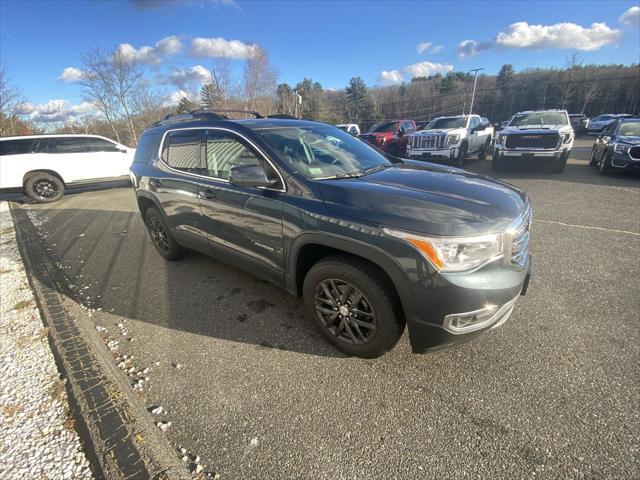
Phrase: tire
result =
(484, 150)
(559, 168)
(161, 236)
(592, 160)
(43, 187)
(604, 165)
(334, 282)
(462, 155)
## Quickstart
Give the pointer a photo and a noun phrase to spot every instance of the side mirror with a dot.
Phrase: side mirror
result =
(606, 138)
(249, 176)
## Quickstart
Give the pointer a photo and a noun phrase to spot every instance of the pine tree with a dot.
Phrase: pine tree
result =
(185, 105)
(357, 98)
(208, 96)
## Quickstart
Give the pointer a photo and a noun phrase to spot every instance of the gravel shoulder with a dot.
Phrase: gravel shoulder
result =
(37, 430)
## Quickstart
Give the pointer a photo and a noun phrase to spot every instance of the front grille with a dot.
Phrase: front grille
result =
(520, 240)
(368, 138)
(532, 140)
(634, 152)
(428, 141)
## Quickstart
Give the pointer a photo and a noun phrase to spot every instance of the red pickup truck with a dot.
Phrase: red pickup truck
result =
(390, 135)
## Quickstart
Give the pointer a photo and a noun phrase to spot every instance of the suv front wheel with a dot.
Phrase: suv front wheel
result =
(353, 307)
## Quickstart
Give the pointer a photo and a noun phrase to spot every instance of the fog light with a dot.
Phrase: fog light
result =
(458, 323)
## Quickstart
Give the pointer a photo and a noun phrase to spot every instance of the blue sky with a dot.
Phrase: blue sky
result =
(327, 41)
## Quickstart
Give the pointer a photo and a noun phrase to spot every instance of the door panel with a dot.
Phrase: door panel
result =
(243, 221)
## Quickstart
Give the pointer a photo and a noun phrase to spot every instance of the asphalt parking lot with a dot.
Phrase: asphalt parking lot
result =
(253, 388)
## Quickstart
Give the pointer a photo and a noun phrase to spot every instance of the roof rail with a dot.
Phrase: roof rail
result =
(250, 112)
(283, 116)
(187, 117)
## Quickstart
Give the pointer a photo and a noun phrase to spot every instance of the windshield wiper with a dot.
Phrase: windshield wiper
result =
(338, 176)
(375, 169)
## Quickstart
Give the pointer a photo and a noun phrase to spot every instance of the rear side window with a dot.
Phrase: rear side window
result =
(146, 149)
(63, 145)
(16, 147)
(181, 150)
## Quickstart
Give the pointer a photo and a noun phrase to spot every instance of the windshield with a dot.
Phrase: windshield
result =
(539, 118)
(629, 129)
(323, 151)
(602, 118)
(448, 122)
(383, 127)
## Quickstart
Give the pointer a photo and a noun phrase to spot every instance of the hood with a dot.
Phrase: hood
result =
(536, 128)
(438, 131)
(431, 201)
(632, 140)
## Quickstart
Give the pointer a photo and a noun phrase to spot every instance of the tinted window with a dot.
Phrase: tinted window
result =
(485, 121)
(474, 122)
(539, 118)
(99, 145)
(15, 147)
(223, 152)
(448, 122)
(182, 150)
(383, 127)
(601, 118)
(408, 127)
(146, 149)
(611, 127)
(64, 145)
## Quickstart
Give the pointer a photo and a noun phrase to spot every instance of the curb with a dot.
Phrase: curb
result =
(117, 433)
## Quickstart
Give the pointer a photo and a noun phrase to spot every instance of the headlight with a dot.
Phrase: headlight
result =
(502, 137)
(620, 148)
(452, 139)
(454, 254)
(567, 138)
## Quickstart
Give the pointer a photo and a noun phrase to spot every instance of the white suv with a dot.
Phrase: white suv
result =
(44, 165)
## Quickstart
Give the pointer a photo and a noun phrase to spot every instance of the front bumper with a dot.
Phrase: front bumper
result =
(504, 155)
(493, 289)
(623, 160)
(448, 153)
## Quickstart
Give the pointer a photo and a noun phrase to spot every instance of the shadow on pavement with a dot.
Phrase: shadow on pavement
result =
(109, 262)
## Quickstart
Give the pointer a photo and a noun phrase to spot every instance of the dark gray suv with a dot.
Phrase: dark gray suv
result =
(370, 241)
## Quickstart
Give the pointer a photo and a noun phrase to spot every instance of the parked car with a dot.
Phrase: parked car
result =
(451, 138)
(370, 242)
(43, 166)
(597, 124)
(381, 134)
(618, 146)
(579, 123)
(351, 128)
(540, 136)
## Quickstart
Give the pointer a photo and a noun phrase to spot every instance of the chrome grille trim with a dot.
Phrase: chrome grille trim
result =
(428, 141)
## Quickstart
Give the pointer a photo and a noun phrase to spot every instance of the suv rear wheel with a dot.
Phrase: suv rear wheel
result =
(161, 235)
(43, 187)
(353, 308)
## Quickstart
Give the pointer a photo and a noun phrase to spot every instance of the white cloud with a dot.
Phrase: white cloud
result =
(175, 98)
(429, 47)
(425, 69)
(220, 47)
(151, 55)
(189, 76)
(469, 48)
(559, 35)
(631, 17)
(72, 74)
(55, 111)
(390, 77)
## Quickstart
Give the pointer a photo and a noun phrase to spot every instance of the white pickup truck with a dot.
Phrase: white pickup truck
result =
(451, 138)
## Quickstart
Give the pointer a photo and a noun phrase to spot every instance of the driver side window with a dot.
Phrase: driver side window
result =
(223, 151)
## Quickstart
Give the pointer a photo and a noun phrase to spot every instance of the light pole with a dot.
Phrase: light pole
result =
(475, 81)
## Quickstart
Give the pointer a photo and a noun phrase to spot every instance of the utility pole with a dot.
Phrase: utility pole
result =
(297, 100)
(475, 81)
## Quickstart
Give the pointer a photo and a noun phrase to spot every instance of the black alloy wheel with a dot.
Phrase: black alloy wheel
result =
(160, 235)
(43, 187)
(345, 311)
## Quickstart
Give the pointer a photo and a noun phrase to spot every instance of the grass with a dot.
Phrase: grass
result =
(22, 304)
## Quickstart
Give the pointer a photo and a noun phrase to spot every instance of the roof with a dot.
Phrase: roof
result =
(55, 135)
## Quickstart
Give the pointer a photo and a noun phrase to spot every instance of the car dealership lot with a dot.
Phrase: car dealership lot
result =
(254, 389)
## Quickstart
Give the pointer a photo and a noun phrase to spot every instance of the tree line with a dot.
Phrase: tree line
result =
(128, 103)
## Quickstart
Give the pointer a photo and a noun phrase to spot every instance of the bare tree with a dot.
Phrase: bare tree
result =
(259, 79)
(10, 101)
(113, 82)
